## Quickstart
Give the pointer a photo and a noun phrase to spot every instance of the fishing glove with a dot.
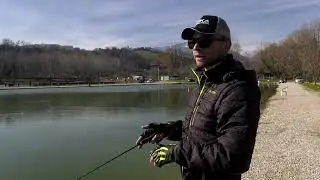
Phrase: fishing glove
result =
(156, 132)
(162, 155)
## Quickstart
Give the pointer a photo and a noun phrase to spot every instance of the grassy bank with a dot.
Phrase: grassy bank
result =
(312, 86)
(268, 89)
(2, 87)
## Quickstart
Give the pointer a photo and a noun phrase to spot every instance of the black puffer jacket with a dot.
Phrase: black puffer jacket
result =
(218, 134)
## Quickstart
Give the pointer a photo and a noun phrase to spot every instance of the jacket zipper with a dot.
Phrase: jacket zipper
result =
(195, 109)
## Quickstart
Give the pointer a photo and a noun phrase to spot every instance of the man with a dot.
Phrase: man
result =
(217, 137)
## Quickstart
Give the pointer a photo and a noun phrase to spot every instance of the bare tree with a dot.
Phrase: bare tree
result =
(236, 47)
(297, 55)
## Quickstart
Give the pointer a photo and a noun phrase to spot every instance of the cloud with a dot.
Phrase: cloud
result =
(284, 5)
(100, 23)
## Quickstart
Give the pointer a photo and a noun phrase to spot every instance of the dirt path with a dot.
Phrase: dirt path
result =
(288, 140)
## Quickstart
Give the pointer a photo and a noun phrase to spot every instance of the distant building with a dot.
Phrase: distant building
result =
(138, 78)
(167, 78)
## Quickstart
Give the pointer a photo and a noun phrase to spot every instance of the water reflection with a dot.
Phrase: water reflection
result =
(55, 106)
(52, 135)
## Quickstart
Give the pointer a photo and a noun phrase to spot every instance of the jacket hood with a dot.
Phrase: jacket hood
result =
(242, 75)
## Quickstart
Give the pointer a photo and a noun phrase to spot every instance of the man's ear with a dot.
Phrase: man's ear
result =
(227, 46)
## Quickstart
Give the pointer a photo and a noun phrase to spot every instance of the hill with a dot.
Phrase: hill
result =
(49, 62)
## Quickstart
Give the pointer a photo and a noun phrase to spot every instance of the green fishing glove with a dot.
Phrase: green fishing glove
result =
(162, 155)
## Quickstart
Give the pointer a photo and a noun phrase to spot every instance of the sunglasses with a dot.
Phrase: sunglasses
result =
(203, 42)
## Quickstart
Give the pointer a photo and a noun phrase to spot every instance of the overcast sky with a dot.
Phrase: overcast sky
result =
(99, 23)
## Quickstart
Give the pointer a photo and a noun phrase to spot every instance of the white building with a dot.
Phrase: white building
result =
(167, 78)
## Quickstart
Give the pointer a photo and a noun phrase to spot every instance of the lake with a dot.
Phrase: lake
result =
(60, 133)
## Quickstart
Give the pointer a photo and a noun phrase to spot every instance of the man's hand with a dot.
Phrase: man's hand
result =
(162, 155)
(153, 133)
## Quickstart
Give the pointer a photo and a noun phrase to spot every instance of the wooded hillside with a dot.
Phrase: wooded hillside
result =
(298, 55)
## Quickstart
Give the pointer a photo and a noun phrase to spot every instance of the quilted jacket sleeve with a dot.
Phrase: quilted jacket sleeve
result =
(232, 149)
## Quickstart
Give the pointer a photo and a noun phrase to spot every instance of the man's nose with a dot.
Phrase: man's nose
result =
(196, 46)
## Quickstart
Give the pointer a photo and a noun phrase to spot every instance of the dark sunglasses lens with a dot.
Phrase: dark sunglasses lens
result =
(191, 44)
(204, 43)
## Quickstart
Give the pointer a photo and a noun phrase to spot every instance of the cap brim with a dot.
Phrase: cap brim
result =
(187, 33)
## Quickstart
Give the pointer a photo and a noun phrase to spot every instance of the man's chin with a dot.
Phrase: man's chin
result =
(200, 64)
(203, 64)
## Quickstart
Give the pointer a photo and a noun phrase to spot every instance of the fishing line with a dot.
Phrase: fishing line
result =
(107, 162)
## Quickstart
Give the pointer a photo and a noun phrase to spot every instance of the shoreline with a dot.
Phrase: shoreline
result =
(92, 85)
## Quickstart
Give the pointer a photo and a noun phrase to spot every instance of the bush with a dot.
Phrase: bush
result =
(313, 86)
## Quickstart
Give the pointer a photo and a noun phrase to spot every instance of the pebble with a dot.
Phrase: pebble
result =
(288, 140)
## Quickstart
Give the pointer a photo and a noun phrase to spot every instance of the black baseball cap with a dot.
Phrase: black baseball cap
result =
(208, 25)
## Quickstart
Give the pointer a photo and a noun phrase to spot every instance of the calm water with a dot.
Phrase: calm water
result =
(58, 134)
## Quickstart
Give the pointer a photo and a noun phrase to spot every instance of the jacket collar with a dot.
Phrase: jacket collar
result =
(216, 72)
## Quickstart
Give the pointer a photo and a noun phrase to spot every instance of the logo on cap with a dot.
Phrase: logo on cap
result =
(203, 21)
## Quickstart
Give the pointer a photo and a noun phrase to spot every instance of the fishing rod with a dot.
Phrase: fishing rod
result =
(107, 162)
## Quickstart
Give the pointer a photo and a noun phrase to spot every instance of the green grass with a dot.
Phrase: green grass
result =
(179, 81)
(267, 81)
(268, 89)
(312, 86)
(152, 56)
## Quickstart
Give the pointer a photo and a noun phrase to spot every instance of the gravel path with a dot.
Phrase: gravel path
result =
(288, 140)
